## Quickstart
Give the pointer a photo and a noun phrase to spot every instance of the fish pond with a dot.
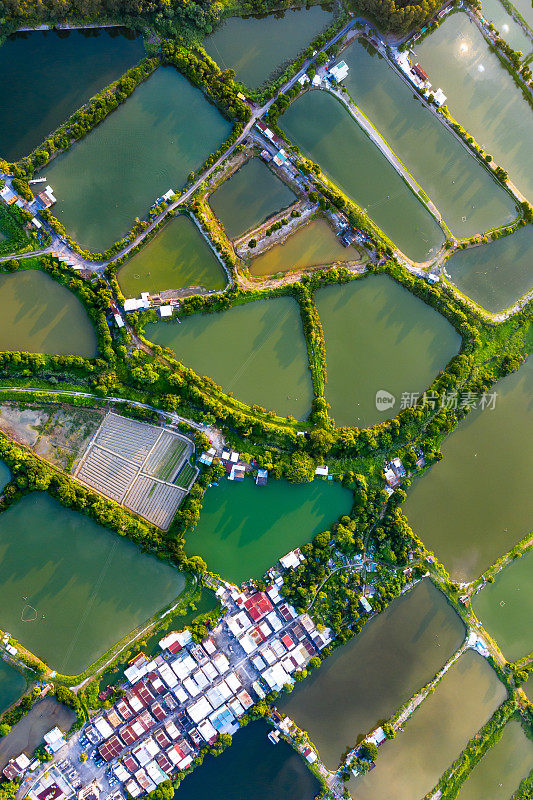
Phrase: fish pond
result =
(372, 676)
(12, 684)
(176, 258)
(256, 47)
(435, 734)
(312, 245)
(482, 96)
(505, 607)
(379, 336)
(464, 191)
(244, 528)
(41, 316)
(509, 29)
(325, 132)
(256, 351)
(496, 274)
(46, 75)
(70, 588)
(165, 129)
(248, 197)
(476, 503)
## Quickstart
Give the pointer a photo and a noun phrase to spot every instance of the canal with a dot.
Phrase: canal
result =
(511, 31)
(476, 503)
(365, 681)
(12, 684)
(481, 95)
(325, 132)
(70, 588)
(41, 316)
(252, 768)
(256, 47)
(501, 769)
(312, 245)
(464, 191)
(505, 607)
(165, 129)
(496, 274)
(436, 733)
(28, 734)
(379, 336)
(248, 197)
(72, 67)
(177, 257)
(256, 351)
(244, 528)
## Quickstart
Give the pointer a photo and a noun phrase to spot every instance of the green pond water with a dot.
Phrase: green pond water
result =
(244, 528)
(70, 588)
(495, 274)
(249, 197)
(481, 95)
(5, 475)
(366, 680)
(379, 336)
(41, 316)
(501, 769)
(525, 8)
(46, 75)
(476, 503)
(326, 133)
(256, 351)
(511, 31)
(165, 129)
(505, 608)
(435, 734)
(12, 684)
(177, 257)
(252, 768)
(465, 192)
(312, 245)
(255, 47)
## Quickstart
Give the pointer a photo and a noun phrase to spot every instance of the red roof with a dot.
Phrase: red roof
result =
(130, 763)
(162, 738)
(51, 793)
(258, 605)
(174, 648)
(287, 641)
(157, 710)
(110, 749)
(164, 763)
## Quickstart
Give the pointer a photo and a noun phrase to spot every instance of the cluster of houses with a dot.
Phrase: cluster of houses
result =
(418, 77)
(234, 468)
(280, 157)
(43, 200)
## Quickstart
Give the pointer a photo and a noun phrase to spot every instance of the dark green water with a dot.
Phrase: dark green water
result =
(256, 351)
(70, 588)
(165, 129)
(245, 528)
(379, 336)
(45, 76)
(249, 197)
(12, 684)
(326, 133)
(41, 316)
(256, 47)
(465, 193)
(366, 680)
(252, 768)
(495, 274)
(476, 503)
(5, 475)
(177, 257)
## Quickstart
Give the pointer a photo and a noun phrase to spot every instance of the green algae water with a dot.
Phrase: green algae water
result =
(326, 133)
(252, 768)
(481, 95)
(509, 29)
(256, 47)
(41, 316)
(165, 129)
(379, 336)
(496, 274)
(176, 258)
(435, 734)
(312, 245)
(70, 588)
(244, 528)
(46, 75)
(249, 197)
(367, 679)
(501, 769)
(505, 608)
(256, 351)
(476, 503)
(464, 191)
(12, 684)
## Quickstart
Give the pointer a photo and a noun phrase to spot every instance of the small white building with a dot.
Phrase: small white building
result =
(317, 80)
(339, 71)
(303, 79)
(439, 98)
(165, 311)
